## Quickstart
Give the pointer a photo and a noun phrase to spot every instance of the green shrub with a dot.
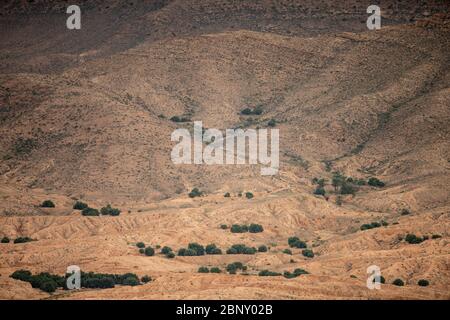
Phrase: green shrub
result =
(347, 188)
(267, 273)
(197, 248)
(308, 253)
(255, 228)
(166, 250)
(398, 282)
(212, 249)
(297, 272)
(320, 191)
(215, 270)
(287, 251)
(131, 281)
(22, 275)
(141, 250)
(48, 204)
(195, 193)
(375, 182)
(272, 123)
(436, 236)
(233, 267)
(149, 251)
(48, 286)
(405, 212)
(241, 249)
(79, 205)
(179, 119)
(248, 250)
(90, 212)
(146, 279)
(170, 255)
(109, 211)
(223, 226)
(246, 111)
(22, 240)
(227, 195)
(203, 270)
(291, 240)
(236, 228)
(423, 283)
(249, 195)
(413, 239)
(5, 240)
(140, 245)
(299, 244)
(262, 248)
(186, 252)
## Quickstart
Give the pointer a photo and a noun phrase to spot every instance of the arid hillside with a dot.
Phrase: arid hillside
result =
(88, 115)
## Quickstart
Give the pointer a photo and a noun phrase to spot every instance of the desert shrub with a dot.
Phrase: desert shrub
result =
(423, 283)
(22, 240)
(413, 239)
(223, 226)
(48, 286)
(203, 270)
(140, 245)
(215, 270)
(262, 248)
(90, 212)
(131, 281)
(375, 224)
(186, 252)
(109, 211)
(297, 272)
(5, 240)
(141, 250)
(436, 236)
(79, 205)
(227, 195)
(405, 212)
(170, 255)
(375, 182)
(149, 251)
(272, 123)
(347, 188)
(398, 282)
(308, 253)
(249, 195)
(22, 275)
(233, 267)
(146, 279)
(361, 182)
(241, 249)
(166, 250)
(295, 242)
(372, 225)
(48, 204)
(320, 191)
(98, 283)
(195, 193)
(212, 249)
(337, 180)
(197, 248)
(255, 228)
(179, 119)
(246, 111)
(267, 273)
(287, 251)
(236, 228)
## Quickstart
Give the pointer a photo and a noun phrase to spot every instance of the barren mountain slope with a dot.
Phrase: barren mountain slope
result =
(86, 115)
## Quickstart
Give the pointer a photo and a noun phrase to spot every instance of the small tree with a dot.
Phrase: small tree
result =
(140, 245)
(215, 270)
(398, 282)
(423, 283)
(5, 240)
(149, 251)
(212, 249)
(255, 228)
(227, 195)
(79, 205)
(249, 195)
(195, 193)
(90, 212)
(170, 255)
(197, 248)
(203, 270)
(108, 210)
(166, 250)
(308, 253)
(48, 204)
(262, 248)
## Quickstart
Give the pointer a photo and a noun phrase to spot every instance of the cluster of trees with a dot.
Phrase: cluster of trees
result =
(344, 185)
(17, 240)
(195, 193)
(212, 270)
(88, 211)
(50, 282)
(256, 111)
(295, 242)
(373, 225)
(241, 249)
(252, 228)
(232, 268)
(413, 239)
(195, 249)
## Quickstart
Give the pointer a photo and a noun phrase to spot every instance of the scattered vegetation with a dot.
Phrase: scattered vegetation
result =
(48, 204)
(79, 205)
(90, 212)
(241, 249)
(398, 282)
(109, 211)
(195, 193)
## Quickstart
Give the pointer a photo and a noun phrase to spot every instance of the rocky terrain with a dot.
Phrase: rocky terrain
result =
(85, 115)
